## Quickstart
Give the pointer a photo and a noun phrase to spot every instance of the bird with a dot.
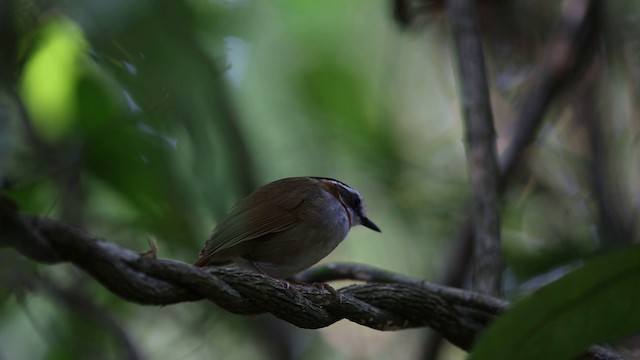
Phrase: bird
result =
(286, 226)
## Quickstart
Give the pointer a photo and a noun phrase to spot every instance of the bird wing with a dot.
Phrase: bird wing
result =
(265, 211)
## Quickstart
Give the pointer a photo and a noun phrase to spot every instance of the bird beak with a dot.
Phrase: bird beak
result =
(368, 223)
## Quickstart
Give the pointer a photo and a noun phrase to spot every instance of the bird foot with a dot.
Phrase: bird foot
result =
(325, 286)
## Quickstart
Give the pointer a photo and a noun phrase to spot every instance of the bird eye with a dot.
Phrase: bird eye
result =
(356, 201)
(350, 197)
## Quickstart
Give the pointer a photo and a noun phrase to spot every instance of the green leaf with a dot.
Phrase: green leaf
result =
(51, 75)
(597, 302)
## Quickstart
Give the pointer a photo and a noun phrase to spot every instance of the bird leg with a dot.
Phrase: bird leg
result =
(256, 266)
(292, 281)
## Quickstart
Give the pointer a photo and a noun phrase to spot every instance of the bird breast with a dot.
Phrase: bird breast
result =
(324, 223)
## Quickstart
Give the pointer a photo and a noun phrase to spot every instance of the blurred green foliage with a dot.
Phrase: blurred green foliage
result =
(595, 303)
(151, 118)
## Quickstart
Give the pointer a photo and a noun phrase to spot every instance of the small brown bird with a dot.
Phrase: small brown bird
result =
(286, 226)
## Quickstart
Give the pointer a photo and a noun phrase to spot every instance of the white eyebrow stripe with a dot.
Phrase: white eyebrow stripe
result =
(346, 187)
(351, 190)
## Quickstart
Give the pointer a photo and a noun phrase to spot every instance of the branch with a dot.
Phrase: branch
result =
(131, 276)
(366, 273)
(480, 146)
(576, 34)
(567, 55)
(394, 302)
(478, 301)
(617, 218)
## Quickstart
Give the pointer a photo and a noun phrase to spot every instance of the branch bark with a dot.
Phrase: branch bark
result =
(128, 274)
(478, 301)
(576, 35)
(390, 302)
(480, 146)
